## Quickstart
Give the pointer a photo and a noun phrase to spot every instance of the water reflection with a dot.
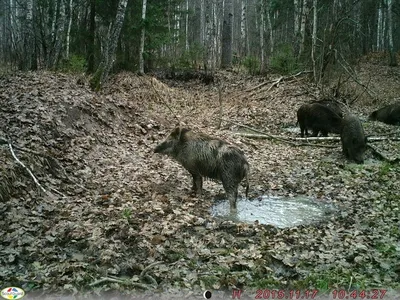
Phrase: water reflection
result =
(277, 211)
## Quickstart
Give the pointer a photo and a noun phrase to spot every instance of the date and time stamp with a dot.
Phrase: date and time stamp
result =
(307, 294)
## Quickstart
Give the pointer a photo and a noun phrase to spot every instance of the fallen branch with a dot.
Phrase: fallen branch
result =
(265, 136)
(382, 138)
(146, 269)
(113, 280)
(383, 156)
(26, 168)
(276, 81)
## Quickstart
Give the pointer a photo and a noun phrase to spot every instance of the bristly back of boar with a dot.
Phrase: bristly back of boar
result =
(332, 104)
(354, 142)
(389, 114)
(205, 156)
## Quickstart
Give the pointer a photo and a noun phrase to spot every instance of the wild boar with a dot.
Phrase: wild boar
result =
(206, 156)
(332, 104)
(389, 114)
(354, 142)
(318, 118)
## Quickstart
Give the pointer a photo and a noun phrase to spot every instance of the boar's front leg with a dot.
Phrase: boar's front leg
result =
(197, 184)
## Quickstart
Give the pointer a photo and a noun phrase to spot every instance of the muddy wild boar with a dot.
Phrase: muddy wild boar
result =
(318, 118)
(206, 156)
(389, 114)
(332, 104)
(354, 142)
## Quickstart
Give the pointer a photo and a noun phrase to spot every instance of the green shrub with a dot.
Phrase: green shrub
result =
(283, 60)
(252, 65)
(74, 64)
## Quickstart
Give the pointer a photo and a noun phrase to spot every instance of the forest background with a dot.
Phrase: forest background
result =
(286, 36)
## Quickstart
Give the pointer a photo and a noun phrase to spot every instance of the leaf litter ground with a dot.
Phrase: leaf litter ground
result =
(118, 217)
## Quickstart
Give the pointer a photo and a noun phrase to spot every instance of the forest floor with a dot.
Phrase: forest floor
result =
(115, 217)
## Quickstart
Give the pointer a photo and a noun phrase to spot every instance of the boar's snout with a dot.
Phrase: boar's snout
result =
(159, 148)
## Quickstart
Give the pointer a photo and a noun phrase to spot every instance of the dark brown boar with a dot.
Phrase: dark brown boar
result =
(205, 156)
(332, 104)
(354, 142)
(389, 114)
(318, 118)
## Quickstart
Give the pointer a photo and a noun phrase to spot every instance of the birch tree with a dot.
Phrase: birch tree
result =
(141, 50)
(68, 29)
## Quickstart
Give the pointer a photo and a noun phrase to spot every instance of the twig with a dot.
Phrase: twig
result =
(106, 279)
(275, 83)
(127, 282)
(264, 136)
(164, 102)
(370, 92)
(220, 106)
(26, 168)
(145, 270)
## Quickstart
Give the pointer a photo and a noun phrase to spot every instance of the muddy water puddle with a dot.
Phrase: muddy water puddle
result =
(280, 212)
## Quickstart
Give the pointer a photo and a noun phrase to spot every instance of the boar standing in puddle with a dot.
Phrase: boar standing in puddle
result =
(206, 156)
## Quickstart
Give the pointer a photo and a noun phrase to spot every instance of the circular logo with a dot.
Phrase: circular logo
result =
(12, 293)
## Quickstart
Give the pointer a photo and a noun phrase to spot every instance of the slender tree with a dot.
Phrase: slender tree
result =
(141, 51)
(226, 51)
(392, 54)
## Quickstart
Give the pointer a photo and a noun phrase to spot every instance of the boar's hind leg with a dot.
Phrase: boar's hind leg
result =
(231, 190)
(197, 184)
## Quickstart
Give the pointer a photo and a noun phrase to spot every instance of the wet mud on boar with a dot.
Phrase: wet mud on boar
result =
(389, 114)
(318, 118)
(354, 142)
(206, 156)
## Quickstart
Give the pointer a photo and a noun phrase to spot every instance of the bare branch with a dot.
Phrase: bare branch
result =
(26, 168)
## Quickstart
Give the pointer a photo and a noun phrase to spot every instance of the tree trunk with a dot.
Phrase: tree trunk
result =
(226, 51)
(262, 30)
(271, 33)
(392, 53)
(242, 46)
(108, 55)
(59, 34)
(314, 40)
(379, 32)
(141, 51)
(303, 27)
(92, 33)
(187, 26)
(68, 30)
